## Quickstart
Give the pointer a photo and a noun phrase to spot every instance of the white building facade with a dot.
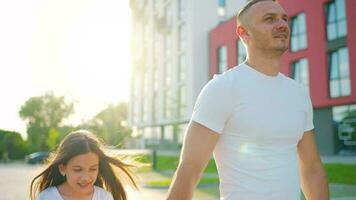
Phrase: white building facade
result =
(170, 64)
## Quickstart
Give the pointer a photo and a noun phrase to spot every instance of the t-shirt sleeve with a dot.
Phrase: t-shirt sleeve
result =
(213, 105)
(309, 125)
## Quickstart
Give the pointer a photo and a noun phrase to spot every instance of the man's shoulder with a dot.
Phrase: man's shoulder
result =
(292, 82)
(230, 75)
(295, 86)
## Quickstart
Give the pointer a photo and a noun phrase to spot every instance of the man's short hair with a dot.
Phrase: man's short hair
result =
(248, 4)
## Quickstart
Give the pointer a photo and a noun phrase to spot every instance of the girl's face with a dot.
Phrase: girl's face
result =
(81, 172)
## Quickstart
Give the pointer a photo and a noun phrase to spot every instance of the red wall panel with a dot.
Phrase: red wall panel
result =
(316, 53)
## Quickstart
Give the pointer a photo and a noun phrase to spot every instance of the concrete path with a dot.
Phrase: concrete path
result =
(339, 159)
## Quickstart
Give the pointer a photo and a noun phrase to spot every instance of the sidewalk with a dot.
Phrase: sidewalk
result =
(339, 159)
(337, 191)
(342, 192)
(160, 193)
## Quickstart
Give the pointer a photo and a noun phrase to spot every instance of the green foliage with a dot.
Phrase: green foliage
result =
(52, 138)
(341, 173)
(350, 114)
(42, 113)
(166, 182)
(109, 124)
(171, 163)
(337, 173)
(12, 145)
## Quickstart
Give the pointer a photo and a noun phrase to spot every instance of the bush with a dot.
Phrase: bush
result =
(12, 145)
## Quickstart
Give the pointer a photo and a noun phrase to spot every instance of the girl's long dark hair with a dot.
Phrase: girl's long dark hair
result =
(77, 143)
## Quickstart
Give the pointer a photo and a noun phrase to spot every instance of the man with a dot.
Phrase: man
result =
(257, 122)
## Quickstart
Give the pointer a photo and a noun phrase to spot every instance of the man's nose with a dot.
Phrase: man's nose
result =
(282, 24)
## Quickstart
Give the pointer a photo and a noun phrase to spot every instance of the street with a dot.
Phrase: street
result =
(15, 183)
(16, 177)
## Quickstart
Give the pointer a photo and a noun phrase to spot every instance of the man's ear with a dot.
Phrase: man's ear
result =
(241, 32)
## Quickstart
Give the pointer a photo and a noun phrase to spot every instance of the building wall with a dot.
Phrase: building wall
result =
(315, 52)
(224, 34)
(324, 131)
(200, 16)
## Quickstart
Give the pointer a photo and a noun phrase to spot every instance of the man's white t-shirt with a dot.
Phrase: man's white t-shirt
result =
(52, 193)
(261, 120)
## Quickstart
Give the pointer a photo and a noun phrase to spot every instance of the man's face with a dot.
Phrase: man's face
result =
(267, 25)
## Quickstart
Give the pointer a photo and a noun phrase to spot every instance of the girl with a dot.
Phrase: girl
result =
(80, 169)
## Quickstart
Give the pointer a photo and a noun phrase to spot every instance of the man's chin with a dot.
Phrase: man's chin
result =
(282, 49)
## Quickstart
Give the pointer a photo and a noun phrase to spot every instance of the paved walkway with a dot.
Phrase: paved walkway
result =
(339, 159)
(160, 193)
(15, 179)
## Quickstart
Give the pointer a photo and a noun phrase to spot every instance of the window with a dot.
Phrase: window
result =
(155, 78)
(136, 111)
(344, 120)
(336, 20)
(154, 106)
(168, 73)
(181, 67)
(339, 75)
(168, 60)
(300, 72)
(146, 104)
(182, 101)
(241, 52)
(299, 33)
(221, 8)
(181, 37)
(340, 112)
(181, 9)
(167, 104)
(168, 15)
(137, 91)
(145, 100)
(222, 59)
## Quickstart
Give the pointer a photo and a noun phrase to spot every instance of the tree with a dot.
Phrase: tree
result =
(42, 113)
(52, 138)
(12, 145)
(109, 124)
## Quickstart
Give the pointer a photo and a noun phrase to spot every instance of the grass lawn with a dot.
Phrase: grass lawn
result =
(337, 173)
(204, 181)
(344, 174)
(341, 173)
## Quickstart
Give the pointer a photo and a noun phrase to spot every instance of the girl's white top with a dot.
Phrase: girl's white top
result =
(52, 193)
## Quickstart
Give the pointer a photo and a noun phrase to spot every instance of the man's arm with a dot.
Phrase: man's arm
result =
(313, 177)
(198, 146)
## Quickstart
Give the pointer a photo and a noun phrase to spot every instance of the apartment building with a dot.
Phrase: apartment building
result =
(170, 64)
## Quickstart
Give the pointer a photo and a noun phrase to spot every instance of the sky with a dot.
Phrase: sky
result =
(76, 48)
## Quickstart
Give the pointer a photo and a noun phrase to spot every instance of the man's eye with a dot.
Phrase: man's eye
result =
(77, 170)
(94, 169)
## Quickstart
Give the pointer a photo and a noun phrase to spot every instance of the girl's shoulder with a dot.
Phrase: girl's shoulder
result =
(101, 194)
(49, 193)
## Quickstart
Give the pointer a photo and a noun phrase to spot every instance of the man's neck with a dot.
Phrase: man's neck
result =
(268, 65)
